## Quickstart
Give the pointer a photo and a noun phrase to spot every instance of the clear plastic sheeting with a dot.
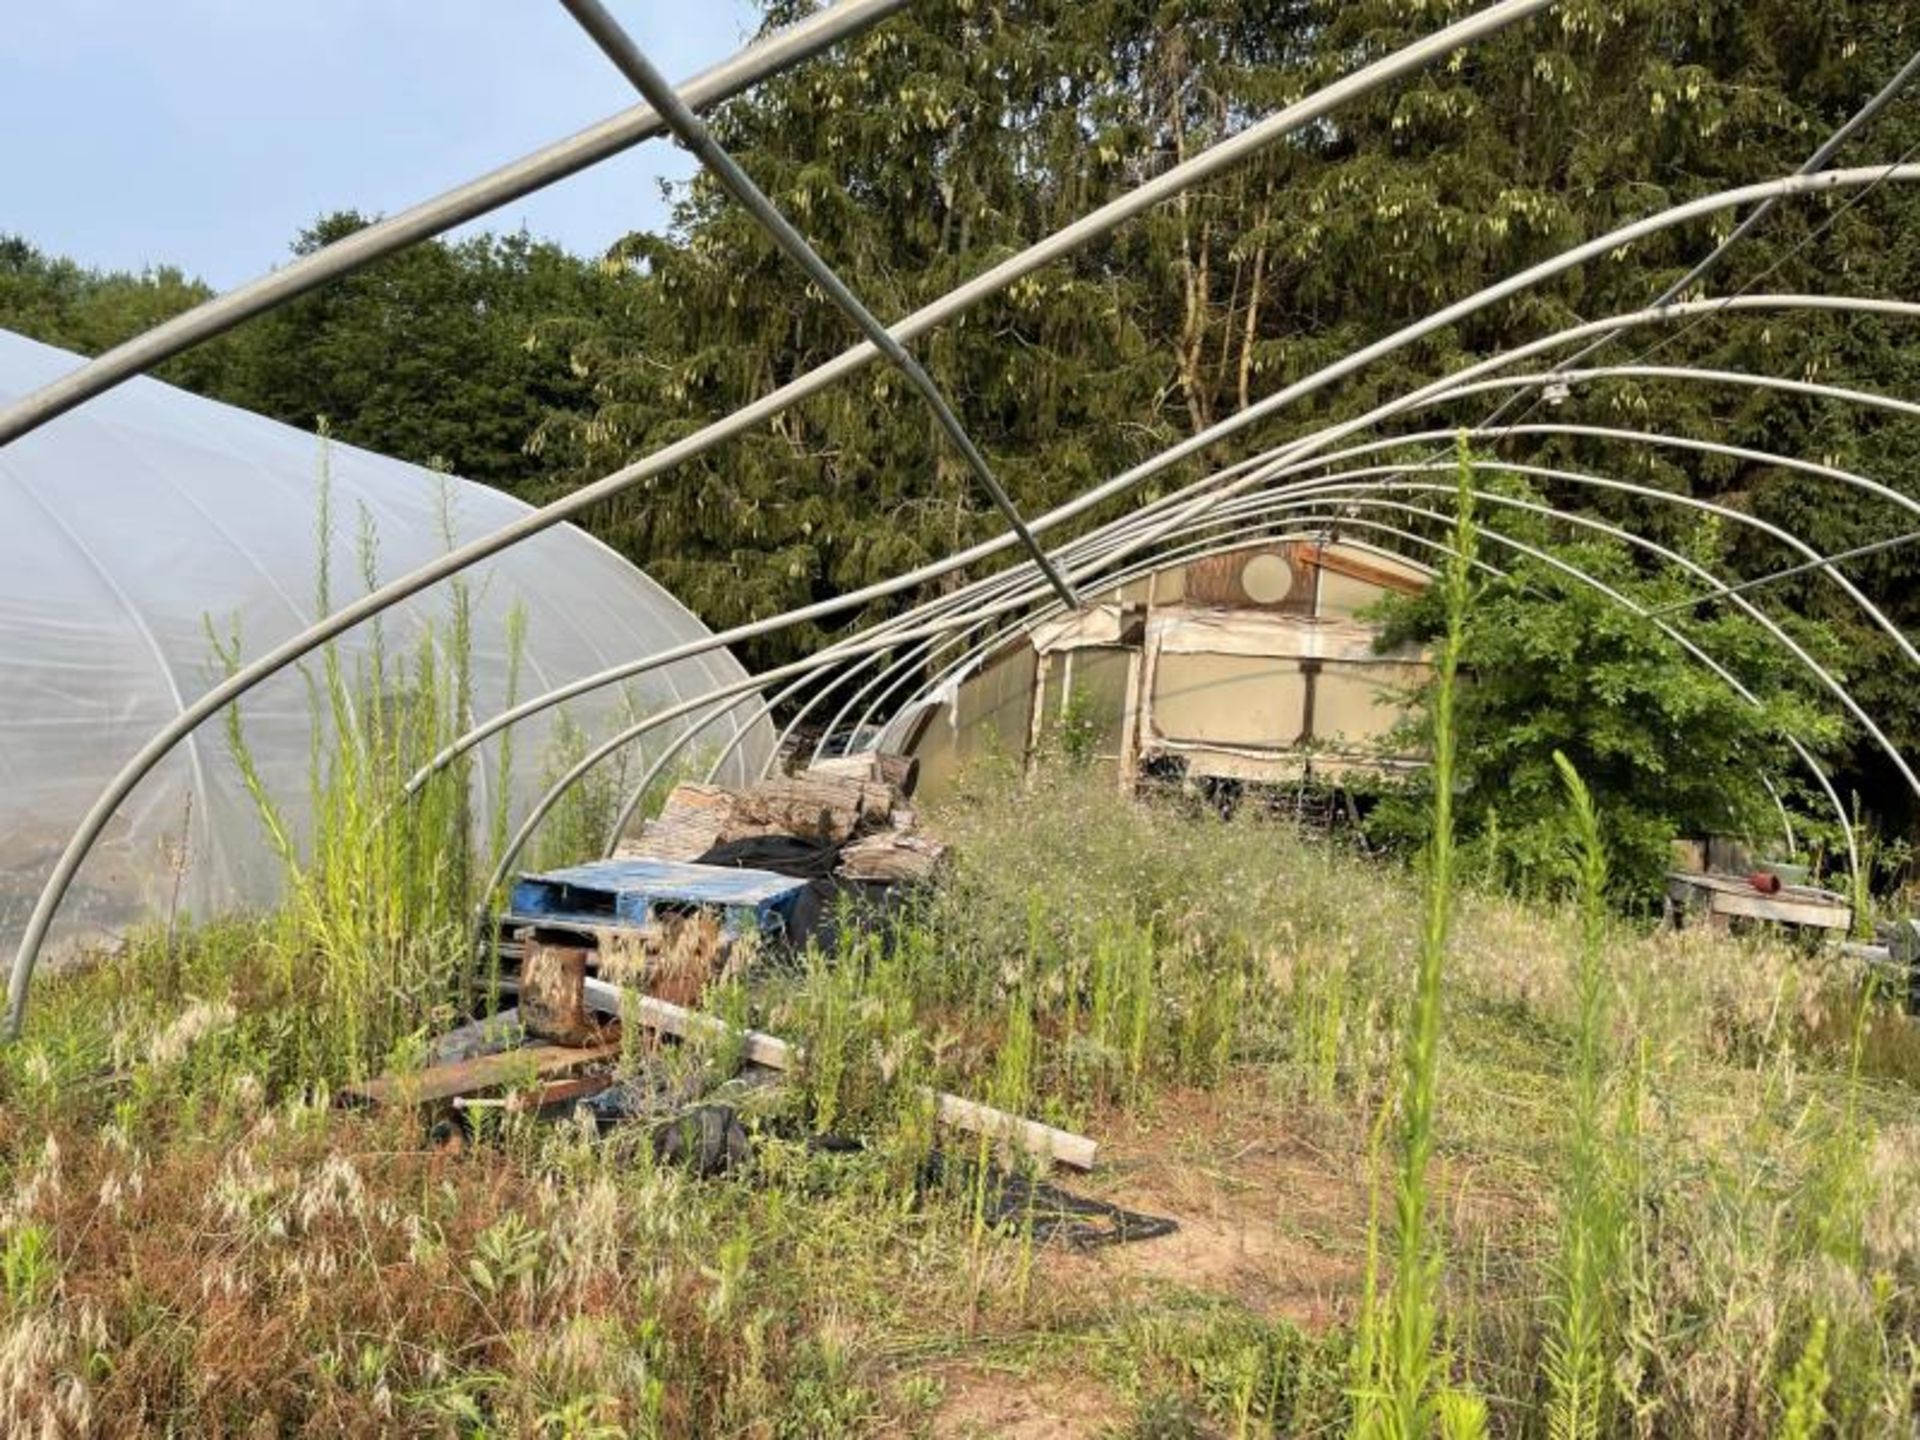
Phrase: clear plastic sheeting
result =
(137, 528)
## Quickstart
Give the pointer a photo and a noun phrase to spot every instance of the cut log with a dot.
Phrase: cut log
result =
(552, 1004)
(891, 855)
(902, 772)
(1044, 1141)
(830, 809)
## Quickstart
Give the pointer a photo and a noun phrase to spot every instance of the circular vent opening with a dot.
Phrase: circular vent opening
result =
(1266, 579)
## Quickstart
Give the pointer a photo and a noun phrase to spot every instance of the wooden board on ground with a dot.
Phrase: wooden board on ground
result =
(485, 1072)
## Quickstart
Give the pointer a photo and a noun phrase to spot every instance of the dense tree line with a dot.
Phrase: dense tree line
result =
(438, 355)
(961, 130)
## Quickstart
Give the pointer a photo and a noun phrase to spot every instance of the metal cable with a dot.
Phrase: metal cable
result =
(1822, 564)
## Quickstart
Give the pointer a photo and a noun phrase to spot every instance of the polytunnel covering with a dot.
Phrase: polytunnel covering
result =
(142, 526)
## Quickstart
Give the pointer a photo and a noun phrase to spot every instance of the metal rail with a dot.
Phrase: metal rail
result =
(1824, 152)
(1588, 479)
(1344, 479)
(1644, 492)
(1338, 490)
(1119, 484)
(1267, 506)
(1827, 563)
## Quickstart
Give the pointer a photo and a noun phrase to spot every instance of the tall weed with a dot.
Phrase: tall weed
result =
(1401, 1404)
(1578, 1346)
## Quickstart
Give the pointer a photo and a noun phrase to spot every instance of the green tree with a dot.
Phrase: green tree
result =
(448, 351)
(61, 303)
(1562, 674)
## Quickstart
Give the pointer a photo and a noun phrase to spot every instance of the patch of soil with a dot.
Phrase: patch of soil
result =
(1267, 1218)
(985, 1404)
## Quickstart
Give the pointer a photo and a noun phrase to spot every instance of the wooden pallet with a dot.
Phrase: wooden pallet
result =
(629, 893)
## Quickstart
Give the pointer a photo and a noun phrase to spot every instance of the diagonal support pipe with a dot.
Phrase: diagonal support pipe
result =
(692, 132)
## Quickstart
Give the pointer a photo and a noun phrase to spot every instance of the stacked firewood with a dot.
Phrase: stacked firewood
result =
(857, 805)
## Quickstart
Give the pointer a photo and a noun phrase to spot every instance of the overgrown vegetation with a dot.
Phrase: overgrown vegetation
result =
(192, 1240)
(1558, 667)
(1447, 1161)
(1405, 1395)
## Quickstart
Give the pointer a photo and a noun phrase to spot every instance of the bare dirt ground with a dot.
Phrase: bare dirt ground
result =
(1267, 1217)
(1273, 1216)
(1006, 1405)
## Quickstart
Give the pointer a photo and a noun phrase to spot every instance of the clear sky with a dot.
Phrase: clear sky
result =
(207, 133)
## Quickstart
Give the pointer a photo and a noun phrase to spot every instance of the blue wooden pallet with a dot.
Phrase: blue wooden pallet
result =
(632, 892)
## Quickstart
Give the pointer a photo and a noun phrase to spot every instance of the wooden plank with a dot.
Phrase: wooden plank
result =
(1357, 569)
(1044, 1141)
(818, 804)
(485, 1072)
(1690, 856)
(1783, 909)
(682, 1023)
(1731, 895)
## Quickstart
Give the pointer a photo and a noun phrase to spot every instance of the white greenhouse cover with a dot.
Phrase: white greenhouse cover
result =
(132, 524)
